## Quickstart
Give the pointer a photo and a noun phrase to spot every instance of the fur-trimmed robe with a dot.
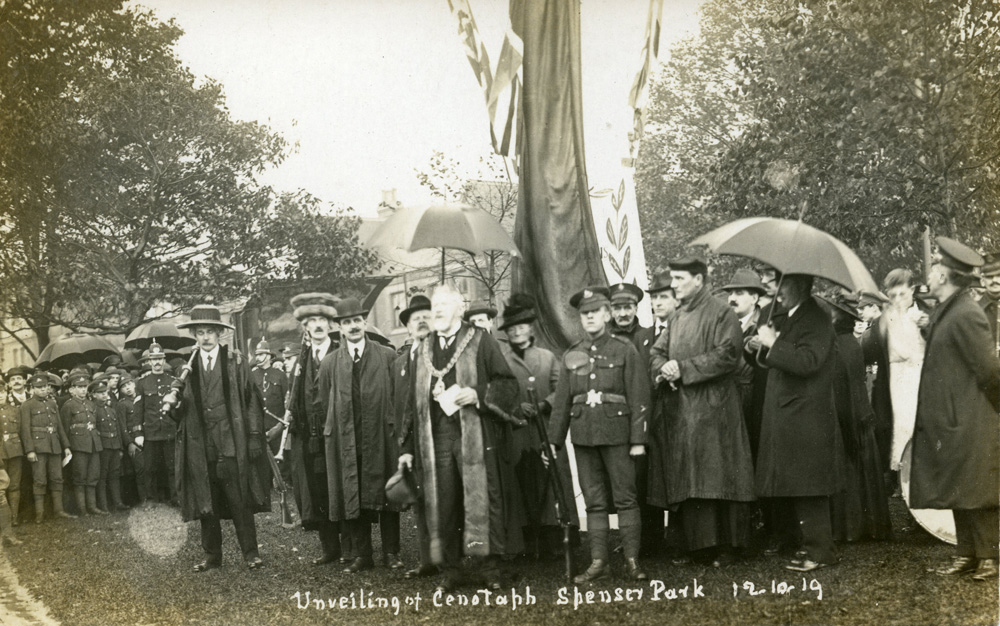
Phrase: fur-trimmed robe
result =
(493, 514)
(246, 415)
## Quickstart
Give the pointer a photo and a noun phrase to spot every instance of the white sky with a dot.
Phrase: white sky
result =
(368, 89)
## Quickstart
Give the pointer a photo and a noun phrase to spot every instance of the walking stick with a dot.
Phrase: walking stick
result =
(555, 481)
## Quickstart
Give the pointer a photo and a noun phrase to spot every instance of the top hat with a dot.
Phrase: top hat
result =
(308, 304)
(745, 279)
(205, 315)
(590, 299)
(958, 256)
(625, 292)
(348, 308)
(520, 309)
(478, 307)
(419, 302)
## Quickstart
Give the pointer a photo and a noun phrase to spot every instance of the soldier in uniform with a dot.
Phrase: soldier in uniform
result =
(602, 399)
(17, 385)
(481, 315)
(45, 443)
(13, 453)
(111, 428)
(6, 522)
(158, 433)
(989, 277)
(79, 420)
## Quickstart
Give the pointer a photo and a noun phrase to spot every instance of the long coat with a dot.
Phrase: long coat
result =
(246, 416)
(351, 488)
(801, 451)
(956, 441)
(707, 452)
(538, 498)
(493, 514)
(875, 347)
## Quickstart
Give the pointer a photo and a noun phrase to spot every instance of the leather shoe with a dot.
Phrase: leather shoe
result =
(392, 561)
(598, 569)
(806, 565)
(326, 558)
(204, 566)
(634, 571)
(987, 570)
(65, 515)
(421, 572)
(958, 565)
(359, 564)
(255, 563)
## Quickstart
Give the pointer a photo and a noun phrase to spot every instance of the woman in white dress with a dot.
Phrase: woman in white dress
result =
(902, 321)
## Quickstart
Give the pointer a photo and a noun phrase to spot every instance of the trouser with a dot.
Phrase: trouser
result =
(652, 516)
(14, 466)
(160, 469)
(595, 465)
(450, 493)
(46, 473)
(109, 484)
(138, 461)
(329, 538)
(423, 538)
(812, 514)
(224, 482)
(86, 468)
(360, 534)
(977, 532)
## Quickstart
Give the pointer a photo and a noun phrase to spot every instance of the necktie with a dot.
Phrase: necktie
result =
(446, 342)
(660, 328)
(209, 366)
(316, 356)
(357, 355)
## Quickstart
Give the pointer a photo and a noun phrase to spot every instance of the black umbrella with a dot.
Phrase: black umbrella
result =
(165, 333)
(74, 349)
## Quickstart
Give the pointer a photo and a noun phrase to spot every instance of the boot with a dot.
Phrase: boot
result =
(40, 508)
(634, 571)
(630, 525)
(6, 533)
(57, 505)
(80, 495)
(115, 484)
(92, 502)
(14, 499)
(598, 569)
(102, 495)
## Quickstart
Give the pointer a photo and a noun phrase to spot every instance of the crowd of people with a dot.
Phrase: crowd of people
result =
(756, 417)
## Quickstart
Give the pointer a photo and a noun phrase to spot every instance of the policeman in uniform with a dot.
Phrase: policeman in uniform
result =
(79, 420)
(43, 438)
(13, 454)
(602, 398)
(158, 432)
(132, 423)
(111, 428)
(273, 385)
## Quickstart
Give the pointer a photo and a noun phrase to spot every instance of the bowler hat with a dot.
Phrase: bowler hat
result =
(308, 304)
(745, 279)
(205, 315)
(478, 307)
(19, 370)
(419, 302)
(661, 282)
(401, 488)
(348, 308)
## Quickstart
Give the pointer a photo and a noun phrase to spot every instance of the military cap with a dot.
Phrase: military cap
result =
(78, 379)
(39, 379)
(55, 380)
(991, 265)
(625, 292)
(112, 371)
(308, 304)
(19, 370)
(205, 315)
(155, 351)
(957, 256)
(520, 309)
(590, 299)
(418, 302)
(745, 279)
(290, 350)
(126, 378)
(478, 307)
(690, 264)
(98, 386)
(661, 282)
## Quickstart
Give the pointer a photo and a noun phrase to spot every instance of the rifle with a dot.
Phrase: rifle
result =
(555, 480)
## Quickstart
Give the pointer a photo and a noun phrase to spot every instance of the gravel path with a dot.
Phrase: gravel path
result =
(16, 604)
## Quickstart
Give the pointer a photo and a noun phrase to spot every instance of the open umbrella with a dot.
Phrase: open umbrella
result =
(443, 226)
(791, 247)
(164, 331)
(74, 349)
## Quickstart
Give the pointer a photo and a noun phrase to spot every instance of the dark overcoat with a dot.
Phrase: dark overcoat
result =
(956, 440)
(245, 414)
(706, 453)
(875, 347)
(352, 488)
(306, 443)
(493, 513)
(800, 452)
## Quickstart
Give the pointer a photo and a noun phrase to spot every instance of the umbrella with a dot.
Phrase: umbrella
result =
(791, 247)
(74, 349)
(163, 331)
(443, 226)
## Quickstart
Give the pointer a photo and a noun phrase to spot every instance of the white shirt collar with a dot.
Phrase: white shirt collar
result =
(322, 348)
(360, 346)
(794, 309)
(213, 354)
(745, 320)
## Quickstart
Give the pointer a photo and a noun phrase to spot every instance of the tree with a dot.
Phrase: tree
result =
(876, 119)
(124, 182)
(493, 192)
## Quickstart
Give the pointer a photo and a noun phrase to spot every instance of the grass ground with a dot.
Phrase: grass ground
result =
(134, 568)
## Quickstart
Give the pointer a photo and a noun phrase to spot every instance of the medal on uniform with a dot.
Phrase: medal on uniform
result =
(438, 388)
